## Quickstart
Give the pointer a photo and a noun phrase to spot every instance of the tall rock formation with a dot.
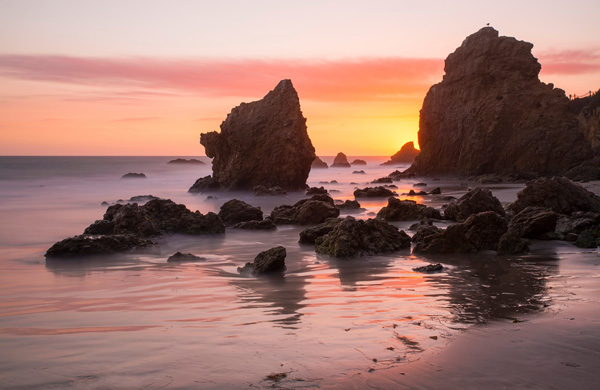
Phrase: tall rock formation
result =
(491, 114)
(405, 155)
(262, 143)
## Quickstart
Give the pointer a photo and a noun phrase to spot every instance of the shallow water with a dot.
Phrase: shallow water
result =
(136, 321)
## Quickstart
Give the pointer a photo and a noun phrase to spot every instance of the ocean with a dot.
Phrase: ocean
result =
(134, 321)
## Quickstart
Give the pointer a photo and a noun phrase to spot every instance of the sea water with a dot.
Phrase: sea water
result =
(135, 321)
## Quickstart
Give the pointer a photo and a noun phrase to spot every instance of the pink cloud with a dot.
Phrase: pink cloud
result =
(354, 79)
(570, 62)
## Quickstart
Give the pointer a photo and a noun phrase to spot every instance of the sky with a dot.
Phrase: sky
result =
(146, 77)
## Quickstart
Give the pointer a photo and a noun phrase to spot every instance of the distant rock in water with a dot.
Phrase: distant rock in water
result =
(132, 175)
(273, 191)
(181, 257)
(191, 161)
(318, 163)
(405, 155)
(374, 192)
(262, 143)
(358, 162)
(236, 211)
(204, 184)
(340, 161)
(85, 245)
(491, 114)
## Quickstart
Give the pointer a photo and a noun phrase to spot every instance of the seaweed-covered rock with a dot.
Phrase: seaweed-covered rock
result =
(473, 202)
(557, 193)
(86, 244)
(262, 143)
(406, 210)
(479, 232)
(352, 237)
(235, 211)
(310, 235)
(271, 261)
(374, 192)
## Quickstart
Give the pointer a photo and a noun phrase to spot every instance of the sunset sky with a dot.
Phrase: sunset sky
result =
(146, 77)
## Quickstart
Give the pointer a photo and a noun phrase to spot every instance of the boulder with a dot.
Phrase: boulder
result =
(86, 244)
(382, 180)
(306, 211)
(262, 143)
(406, 210)
(310, 235)
(533, 222)
(235, 211)
(405, 155)
(558, 194)
(431, 268)
(355, 237)
(511, 244)
(374, 192)
(264, 191)
(491, 95)
(170, 217)
(358, 162)
(473, 202)
(204, 184)
(340, 161)
(576, 223)
(436, 191)
(268, 262)
(265, 224)
(349, 205)
(361, 172)
(479, 232)
(318, 163)
(181, 257)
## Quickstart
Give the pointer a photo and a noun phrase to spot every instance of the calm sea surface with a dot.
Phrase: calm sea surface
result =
(134, 321)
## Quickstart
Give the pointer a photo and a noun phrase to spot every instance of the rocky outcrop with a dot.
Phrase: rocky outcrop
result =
(340, 161)
(558, 194)
(268, 262)
(406, 210)
(355, 237)
(318, 164)
(204, 184)
(473, 202)
(588, 114)
(86, 244)
(306, 211)
(491, 114)
(310, 235)
(262, 143)
(235, 211)
(479, 232)
(374, 192)
(405, 155)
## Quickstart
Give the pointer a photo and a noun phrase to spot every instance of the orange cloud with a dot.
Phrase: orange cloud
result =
(359, 79)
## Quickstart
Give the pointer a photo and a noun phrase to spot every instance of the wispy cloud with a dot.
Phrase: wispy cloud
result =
(570, 62)
(352, 79)
(138, 119)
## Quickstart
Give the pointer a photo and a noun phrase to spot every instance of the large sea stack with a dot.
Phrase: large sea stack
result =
(491, 114)
(262, 143)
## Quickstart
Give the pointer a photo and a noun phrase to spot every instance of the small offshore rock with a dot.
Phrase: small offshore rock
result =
(204, 184)
(316, 190)
(306, 211)
(358, 162)
(382, 180)
(235, 211)
(142, 198)
(310, 235)
(436, 191)
(340, 161)
(265, 224)
(429, 268)
(374, 192)
(318, 164)
(349, 205)
(183, 161)
(405, 155)
(406, 210)
(178, 257)
(361, 172)
(86, 244)
(133, 175)
(271, 261)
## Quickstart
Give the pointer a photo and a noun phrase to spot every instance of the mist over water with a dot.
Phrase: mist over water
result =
(136, 321)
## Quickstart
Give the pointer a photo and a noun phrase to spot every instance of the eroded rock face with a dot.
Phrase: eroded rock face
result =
(262, 143)
(491, 114)
(405, 155)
